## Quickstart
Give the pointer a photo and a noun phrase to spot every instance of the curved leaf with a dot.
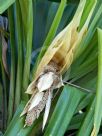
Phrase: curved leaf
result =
(98, 108)
(4, 4)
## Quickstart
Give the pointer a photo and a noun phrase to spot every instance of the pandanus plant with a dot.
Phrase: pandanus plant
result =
(56, 60)
(62, 84)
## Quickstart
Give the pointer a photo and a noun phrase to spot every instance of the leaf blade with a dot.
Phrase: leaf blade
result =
(98, 109)
(67, 103)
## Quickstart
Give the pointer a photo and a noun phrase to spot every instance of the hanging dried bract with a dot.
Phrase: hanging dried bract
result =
(55, 62)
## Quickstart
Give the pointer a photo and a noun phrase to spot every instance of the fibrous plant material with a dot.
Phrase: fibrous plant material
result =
(35, 112)
(48, 80)
(57, 59)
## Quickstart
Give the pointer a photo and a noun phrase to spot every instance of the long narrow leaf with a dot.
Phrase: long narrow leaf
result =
(98, 108)
(87, 124)
(12, 44)
(27, 8)
(4, 4)
(20, 56)
(64, 111)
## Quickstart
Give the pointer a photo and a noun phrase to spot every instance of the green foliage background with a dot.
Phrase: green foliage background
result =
(76, 109)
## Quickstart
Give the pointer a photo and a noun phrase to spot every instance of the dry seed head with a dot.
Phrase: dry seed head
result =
(51, 72)
(55, 83)
(35, 112)
(51, 67)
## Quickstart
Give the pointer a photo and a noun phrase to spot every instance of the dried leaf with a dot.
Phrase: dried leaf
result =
(47, 109)
(45, 81)
(35, 101)
(28, 104)
(59, 82)
(31, 88)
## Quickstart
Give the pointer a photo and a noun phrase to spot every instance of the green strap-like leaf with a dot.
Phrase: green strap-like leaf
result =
(72, 1)
(16, 123)
(88, 7)
(64, 111)
(27, 20)
(86, 126)
(98, 106)
(13, 62)
(20, 55)
(4, 4)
